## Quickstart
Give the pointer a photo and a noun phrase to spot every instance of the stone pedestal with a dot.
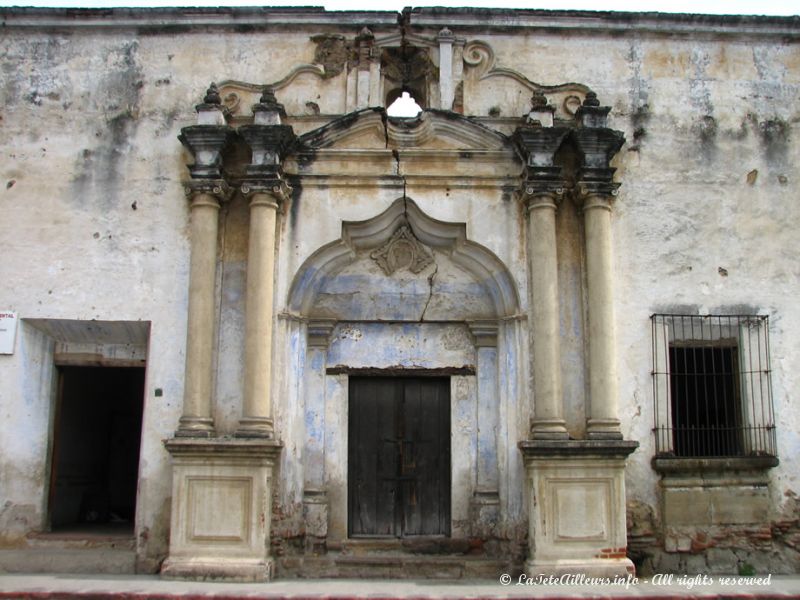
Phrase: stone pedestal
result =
(221, 509)
(576, 503)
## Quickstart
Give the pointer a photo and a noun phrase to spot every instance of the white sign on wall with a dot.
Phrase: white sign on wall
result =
(8, 331)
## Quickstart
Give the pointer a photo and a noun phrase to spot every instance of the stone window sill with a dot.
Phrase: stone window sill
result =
(667, 465)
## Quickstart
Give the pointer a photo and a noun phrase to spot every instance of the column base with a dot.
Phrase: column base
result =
(591, 567)
(255, 427)
(549, 429)
(603, 429)
(221, 509)
(576, 507)
(221, 569)
(195, 427)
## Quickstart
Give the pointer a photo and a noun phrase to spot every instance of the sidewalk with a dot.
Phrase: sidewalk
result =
(149, 587)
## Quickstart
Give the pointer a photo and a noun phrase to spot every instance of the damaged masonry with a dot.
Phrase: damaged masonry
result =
(265, 330)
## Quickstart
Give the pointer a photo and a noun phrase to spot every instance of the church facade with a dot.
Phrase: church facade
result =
(256, 326)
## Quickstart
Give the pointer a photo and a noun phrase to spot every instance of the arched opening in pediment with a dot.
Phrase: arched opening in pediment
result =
(402, 104)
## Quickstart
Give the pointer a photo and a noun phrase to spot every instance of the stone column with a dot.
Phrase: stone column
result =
(598, 144)
(266, 189)
(206, 190)
(542, 189)
(576, 488)
(256, 418)
(548, 414)
(197, 417)
(603, 420)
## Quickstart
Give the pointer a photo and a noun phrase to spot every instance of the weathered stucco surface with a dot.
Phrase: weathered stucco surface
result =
(96, 228)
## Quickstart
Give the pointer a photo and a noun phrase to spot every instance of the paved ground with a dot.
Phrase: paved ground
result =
(142, 587)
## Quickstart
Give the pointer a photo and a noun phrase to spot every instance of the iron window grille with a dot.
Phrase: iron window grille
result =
(712, 386)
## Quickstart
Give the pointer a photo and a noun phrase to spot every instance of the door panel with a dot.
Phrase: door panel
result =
(399, 456)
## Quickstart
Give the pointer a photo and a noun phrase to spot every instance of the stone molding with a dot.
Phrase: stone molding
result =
(374, 232)
(319, 332)
(484, 333)
(389, 256)
(577, 448)
(219, 189)
(498, 20)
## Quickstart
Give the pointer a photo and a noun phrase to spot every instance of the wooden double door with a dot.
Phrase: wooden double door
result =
(399, 456)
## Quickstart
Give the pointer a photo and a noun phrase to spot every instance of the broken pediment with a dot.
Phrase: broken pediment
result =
(431, 129)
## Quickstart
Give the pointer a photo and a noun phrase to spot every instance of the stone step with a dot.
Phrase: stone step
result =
(393, 566)
(146, 587)
(68, 560)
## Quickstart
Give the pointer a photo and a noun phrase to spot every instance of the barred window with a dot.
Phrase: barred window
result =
(711, 385)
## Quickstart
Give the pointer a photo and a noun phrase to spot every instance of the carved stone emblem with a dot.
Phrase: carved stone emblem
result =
(403, 250)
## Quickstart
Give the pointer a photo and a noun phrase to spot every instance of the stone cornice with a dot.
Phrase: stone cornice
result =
(200, 448)
(172, 20)
(564, 449)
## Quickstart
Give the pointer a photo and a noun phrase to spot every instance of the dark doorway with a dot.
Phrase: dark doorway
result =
(95, 460)
(399, 456)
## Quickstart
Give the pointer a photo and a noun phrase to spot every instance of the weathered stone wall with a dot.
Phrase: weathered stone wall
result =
(96, 227)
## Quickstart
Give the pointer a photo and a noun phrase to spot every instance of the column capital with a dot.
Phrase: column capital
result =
(277, 190)
(538, 194)
(319, 332)
(597, 194)
(216, 188)
(264, 176)
(484, 333)
(543, 182)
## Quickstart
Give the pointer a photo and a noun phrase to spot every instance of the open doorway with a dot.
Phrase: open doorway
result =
(95, 452)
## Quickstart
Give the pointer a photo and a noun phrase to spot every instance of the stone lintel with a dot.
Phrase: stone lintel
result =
(571, 449)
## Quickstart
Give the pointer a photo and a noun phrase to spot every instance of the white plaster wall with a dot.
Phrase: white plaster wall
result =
(698, 117)
(96, 221)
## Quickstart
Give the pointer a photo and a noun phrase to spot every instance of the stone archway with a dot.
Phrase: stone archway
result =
(404, 295)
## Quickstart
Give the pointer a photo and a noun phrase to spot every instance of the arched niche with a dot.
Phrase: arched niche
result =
(403, 265)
